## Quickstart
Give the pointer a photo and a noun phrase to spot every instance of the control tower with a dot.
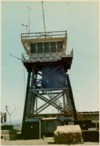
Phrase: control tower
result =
(48, 83)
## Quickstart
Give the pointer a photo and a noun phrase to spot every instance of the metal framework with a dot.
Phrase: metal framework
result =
(48, 81)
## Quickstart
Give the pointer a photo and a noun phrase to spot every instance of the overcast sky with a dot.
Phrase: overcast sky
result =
(81, 20)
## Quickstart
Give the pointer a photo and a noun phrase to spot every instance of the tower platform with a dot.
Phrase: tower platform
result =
(43, 49)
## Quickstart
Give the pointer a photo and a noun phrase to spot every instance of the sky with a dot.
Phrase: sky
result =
(80, 19)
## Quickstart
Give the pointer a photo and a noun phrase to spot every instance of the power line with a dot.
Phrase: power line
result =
(86, 55)
(84, 93)
(15, 57)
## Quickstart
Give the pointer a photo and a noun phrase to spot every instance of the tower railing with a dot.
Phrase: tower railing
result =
(50, 34)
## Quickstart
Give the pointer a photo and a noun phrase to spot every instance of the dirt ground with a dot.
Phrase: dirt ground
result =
(45, 141)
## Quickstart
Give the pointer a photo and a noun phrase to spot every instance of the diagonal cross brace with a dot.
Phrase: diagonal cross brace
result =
(48, 104)
(48, 101)
(51, 95)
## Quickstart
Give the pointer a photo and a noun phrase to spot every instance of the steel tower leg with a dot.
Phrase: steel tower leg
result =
(71, 97)
(25, 105)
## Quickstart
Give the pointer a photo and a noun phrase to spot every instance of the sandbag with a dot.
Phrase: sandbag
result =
(68, 134)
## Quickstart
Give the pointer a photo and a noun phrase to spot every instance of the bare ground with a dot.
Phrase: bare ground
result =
(46, 141)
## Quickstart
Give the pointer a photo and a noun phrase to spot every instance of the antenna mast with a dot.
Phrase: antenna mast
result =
(43, 17)
(29, 9)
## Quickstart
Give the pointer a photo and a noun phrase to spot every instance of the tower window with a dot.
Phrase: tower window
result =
(59, 46)
(53, 46)
(39, 48)
(33, 48)
(46, 47)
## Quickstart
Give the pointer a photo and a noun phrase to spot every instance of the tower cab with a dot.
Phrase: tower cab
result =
(43, 47)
